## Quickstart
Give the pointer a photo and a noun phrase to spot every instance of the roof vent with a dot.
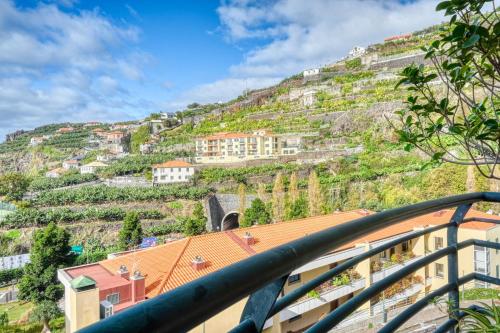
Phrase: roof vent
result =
(123, 272)
(198, 263)
(439, 213)
(248, 238)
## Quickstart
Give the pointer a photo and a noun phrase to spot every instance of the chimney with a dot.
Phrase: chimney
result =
(138, 287)
(364, 212)
(123, 272)
(198, 263)
(248, 238)
(439, 213)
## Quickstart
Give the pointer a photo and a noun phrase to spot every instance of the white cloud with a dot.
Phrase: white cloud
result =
(57, 66)
(312, 33)
(294, 35)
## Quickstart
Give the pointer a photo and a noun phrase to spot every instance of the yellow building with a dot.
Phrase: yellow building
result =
(165, 267)
(239, 147)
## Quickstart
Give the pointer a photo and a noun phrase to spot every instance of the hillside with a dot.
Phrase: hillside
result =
(339, 112)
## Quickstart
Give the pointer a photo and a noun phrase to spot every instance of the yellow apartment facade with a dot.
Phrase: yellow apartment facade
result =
(168, 266)
(240, 147)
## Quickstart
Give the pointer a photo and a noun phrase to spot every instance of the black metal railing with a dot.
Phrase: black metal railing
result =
(262, 276)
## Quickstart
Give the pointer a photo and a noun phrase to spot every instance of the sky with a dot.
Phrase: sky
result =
(88, 60)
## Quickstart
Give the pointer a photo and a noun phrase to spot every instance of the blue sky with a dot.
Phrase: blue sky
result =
(67, 60)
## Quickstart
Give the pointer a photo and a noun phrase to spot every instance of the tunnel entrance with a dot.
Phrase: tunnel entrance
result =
(230, 221)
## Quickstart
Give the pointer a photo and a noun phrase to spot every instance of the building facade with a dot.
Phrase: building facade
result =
(171, 265)
(172, 172)
(92, 167)
(240, 147)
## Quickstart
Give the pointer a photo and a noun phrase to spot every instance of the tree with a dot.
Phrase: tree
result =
(243, 200)
(315, 195)
(278, 198)
(140, 136)
(460, 124)
(13, 185)
(261, 192)
(4, 319)
(39, 285)
(256, 214)
(196, 224)
(293, 188)
(297, 209)
(130, 234)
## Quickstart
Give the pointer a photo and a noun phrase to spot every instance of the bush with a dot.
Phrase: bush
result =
(164, 229)
(353, 63)
(46, 183)
(9, 275)
(102, 193)
(26, 217)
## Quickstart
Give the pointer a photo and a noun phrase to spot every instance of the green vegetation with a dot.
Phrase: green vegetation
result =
(353, 63)
(9, 275)
(479, 293)
(210, 175)
(39, 283)
(457, 122)
(137, 164)
(195, 224)
(28, 217)
(130, 235)
(13, 186)
(16, 310)
(47, 183)
(140, 136)
(101, 193)
(257, 213)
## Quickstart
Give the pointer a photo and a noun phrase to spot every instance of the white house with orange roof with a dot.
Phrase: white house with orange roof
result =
(172, 172)
(166, 267)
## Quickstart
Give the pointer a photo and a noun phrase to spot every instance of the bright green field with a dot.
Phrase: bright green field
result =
(16, 310)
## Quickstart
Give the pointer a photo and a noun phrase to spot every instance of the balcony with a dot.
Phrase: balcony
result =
(393, 266)
(261, 277)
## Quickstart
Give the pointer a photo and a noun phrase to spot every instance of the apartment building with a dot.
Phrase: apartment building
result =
(171, 265)
(239, 147)
(172, 172)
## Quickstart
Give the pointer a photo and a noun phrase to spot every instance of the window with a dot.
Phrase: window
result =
(405, 246)
(438, 243)
(439, 270)
(293, 279)
(113, 298)
(496, 251)
(498, 271)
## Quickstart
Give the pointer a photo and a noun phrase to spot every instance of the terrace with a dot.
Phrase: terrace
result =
(261, 278)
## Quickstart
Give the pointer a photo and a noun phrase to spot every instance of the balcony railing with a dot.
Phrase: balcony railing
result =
(262, 276)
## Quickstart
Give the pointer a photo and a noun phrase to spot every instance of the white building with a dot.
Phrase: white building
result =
(55, 173)
(357, 51)
(172, 172)
(92, 167)
(36, 140)
(309, 97)
(311, 72)
(70, 164)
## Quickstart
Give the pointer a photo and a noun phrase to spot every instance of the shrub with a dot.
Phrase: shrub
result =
(102, 193)
(9, 275)
(46, 183)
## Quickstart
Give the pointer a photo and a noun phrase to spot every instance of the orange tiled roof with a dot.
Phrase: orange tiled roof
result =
(168, 266)
(219, 136)
(172, 164)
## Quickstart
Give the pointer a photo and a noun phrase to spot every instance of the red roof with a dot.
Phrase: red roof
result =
(173, 164)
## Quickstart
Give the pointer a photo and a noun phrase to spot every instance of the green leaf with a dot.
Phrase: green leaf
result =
(443, 5)
(471, 41)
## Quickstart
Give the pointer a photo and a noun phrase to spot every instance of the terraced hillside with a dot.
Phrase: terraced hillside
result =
(342, 115)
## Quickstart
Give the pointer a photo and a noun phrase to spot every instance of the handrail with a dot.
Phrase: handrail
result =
(450, 323)
(193, 303)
